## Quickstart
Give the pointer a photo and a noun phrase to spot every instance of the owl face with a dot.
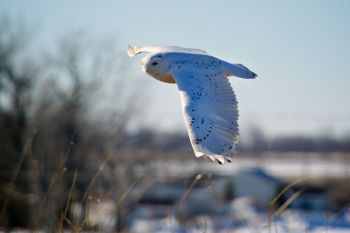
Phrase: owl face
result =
(156, 66)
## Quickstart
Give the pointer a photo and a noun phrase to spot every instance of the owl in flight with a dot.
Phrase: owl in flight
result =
(209, 104)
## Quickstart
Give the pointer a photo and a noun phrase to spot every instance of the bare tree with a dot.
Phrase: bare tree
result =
(18, 74)
(77, 129)
(63, 122)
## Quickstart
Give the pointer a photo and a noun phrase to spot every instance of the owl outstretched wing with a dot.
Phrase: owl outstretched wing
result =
(210, 111)
(134, 50)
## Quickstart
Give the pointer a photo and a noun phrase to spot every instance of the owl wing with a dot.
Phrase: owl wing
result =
(134, 50)
(210, 111)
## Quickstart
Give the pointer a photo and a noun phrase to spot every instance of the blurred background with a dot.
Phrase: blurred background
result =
(89, 143)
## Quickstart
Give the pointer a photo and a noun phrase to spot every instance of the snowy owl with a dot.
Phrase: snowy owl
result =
(208, 102)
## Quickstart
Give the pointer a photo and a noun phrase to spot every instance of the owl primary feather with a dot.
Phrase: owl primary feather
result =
(208, 102)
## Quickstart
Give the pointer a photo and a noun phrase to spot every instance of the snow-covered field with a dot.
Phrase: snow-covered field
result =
(245, 219)
(289, 222)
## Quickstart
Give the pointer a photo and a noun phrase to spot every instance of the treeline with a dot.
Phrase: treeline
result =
(255, 142)
(320, 144)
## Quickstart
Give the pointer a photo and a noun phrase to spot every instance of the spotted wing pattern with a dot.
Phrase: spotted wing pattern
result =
(210, 109)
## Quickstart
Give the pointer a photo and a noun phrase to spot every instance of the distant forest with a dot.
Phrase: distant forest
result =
(257, 142)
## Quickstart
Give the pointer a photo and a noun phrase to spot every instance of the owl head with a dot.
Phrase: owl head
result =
(157, 66)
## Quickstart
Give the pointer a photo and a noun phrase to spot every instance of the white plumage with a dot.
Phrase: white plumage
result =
(208, 102)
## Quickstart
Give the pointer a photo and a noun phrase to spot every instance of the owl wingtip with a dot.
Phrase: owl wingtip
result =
(132, 50)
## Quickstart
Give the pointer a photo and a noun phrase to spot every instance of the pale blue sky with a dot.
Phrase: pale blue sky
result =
(300, 50)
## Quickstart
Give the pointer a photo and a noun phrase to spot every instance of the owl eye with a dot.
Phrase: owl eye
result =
(154, 63)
